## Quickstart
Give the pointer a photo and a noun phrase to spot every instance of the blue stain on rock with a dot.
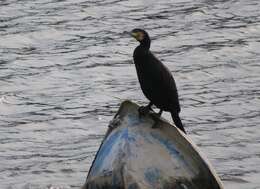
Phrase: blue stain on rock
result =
(152, 175)
(147, 137)
(124, 134)
(133, 120)
(104, 151)
(168, 145)
(127, 136)
(131, 138)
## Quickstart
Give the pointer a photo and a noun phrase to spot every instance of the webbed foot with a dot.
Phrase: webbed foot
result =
(144, 110)
(156, 118)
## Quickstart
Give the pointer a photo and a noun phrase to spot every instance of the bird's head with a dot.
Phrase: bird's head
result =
(141, 36)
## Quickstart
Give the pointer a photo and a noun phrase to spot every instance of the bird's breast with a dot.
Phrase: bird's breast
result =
(156, 81)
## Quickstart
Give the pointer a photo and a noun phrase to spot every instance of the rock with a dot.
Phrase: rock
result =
(133, 155)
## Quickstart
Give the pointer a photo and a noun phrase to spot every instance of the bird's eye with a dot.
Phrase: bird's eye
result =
(140, 36)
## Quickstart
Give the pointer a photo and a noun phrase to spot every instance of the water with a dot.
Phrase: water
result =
(65, 66)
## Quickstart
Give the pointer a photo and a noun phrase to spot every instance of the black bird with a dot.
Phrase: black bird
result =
(156, 80)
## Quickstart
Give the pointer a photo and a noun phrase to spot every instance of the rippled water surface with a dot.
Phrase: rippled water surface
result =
(65, 66)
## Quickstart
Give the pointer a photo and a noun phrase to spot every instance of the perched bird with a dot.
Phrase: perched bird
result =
(156, 80)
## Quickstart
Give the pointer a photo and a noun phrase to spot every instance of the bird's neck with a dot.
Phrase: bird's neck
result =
(140, 51)
(145, 44)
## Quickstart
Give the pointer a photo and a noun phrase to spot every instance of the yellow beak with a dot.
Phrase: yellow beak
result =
(135, 35)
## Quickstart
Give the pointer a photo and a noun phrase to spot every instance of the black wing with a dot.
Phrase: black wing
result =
(164, 83)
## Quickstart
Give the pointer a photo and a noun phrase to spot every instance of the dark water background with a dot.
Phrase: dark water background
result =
(65, 66)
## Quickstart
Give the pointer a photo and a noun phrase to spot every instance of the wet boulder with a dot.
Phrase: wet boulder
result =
(134, 155)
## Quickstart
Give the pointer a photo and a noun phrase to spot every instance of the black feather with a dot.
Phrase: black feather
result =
(157, 82)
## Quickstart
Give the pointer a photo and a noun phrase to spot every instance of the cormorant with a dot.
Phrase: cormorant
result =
(156, 80)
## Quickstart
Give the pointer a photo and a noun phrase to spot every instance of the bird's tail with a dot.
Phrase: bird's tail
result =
(177, 121)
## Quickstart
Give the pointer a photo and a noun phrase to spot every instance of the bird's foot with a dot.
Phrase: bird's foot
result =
(143, 110)
(156, 118)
